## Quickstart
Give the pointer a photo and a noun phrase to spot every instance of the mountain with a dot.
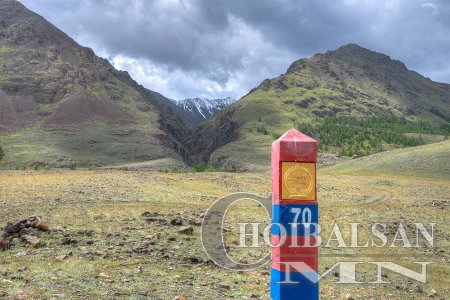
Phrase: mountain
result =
(61, 105)
(196, 110)
(353, 100)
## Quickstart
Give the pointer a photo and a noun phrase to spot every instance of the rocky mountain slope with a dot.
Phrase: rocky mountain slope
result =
(352, 100)
(61, 105)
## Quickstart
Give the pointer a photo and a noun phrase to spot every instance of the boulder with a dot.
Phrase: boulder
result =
(188, 230)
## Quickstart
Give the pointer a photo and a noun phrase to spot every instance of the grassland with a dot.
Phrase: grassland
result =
(101, 211)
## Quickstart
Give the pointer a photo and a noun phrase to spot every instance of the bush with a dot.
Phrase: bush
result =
(2, 153)
(262, 129)
(203, 167)
(93, 167)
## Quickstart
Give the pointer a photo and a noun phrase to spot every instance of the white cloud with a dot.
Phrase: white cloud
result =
(259, 58)
(223, 48)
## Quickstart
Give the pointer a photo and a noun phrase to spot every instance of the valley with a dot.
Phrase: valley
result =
(117, 251)
(63, 106)
(104, 183)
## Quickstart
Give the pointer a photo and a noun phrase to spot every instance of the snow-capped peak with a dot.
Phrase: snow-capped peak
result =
(202, 109)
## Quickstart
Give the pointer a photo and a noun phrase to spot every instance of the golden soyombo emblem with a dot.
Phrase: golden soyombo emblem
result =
(298, 181)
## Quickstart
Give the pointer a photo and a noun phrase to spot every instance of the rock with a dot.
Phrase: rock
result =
(34, 221)
(22, 295)
(42, 226)
(5, 244)
(194, 260)
(9, 230)
(198, 223)
(149, 214)
(60, 257)
(68, 240)
(432, 293)
(225, 287)
(90, 242)
(58, 229)
(28, 231)
(30, 239)
(181, 297)
(22, 269)
(99, 253)
(84, 251)
(349, 297)
(176, 221)
(147, 242)
(27, 227)
(189, 230)
(86, 232)
(20, 254)
(103, 275)
(6, 281)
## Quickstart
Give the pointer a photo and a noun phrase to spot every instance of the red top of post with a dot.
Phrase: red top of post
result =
(293, 146)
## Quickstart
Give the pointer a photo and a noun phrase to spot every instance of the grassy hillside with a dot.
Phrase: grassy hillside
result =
(353, 100)
(61, 105)
(425, 161)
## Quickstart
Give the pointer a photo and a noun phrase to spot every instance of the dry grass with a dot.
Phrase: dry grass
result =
(110, 204)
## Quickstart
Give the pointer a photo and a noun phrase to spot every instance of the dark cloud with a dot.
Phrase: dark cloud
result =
(186, 48)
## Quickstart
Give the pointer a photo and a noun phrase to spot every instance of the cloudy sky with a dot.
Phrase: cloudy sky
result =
(219, 48)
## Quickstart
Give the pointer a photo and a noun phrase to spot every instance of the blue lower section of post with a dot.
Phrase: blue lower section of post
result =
(305, 286)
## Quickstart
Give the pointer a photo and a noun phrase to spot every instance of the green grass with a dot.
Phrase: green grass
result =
(97, 143)
(2, 153)
(203, 167)
(431, 160)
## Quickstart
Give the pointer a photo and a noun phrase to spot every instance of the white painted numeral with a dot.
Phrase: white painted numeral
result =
(306, 214)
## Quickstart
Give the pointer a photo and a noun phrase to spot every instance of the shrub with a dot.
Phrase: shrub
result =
(2, 153)
(93, 167)
(262, 129)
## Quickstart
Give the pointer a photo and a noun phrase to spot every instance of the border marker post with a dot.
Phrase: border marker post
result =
(294, 272)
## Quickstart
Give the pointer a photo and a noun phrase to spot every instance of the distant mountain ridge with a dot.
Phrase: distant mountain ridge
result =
(201, 109)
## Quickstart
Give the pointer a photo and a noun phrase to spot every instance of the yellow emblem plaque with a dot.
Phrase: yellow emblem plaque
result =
(298, 181)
